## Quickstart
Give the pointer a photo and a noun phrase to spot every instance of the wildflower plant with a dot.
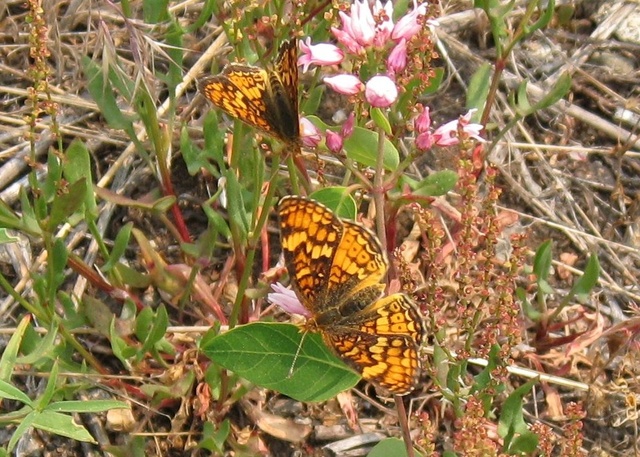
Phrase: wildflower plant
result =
(378, 59)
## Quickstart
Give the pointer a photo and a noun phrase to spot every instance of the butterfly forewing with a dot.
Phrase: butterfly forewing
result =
(266, 99)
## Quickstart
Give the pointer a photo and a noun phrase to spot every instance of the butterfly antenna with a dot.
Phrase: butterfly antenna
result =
(295, 357)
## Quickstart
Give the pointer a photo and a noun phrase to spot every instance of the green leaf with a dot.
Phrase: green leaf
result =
(152, 331)
(522, 104)
(21, 429)
(10, 352)
(77, 167)
(362, 146)
(49, 391)
(585, 284)
(556, 93)
(58, 259)
(542, 261)
(63, 425)
(213, 440)
(10, 392)
(529, 310)
(543, 20)
(512, 425)
(390, 447)
(105, 98)
(436, 184)
(336, 199)
(86, 406)
(68, 203)
(312, 103)
(119, 247)
(381, 120)
(238, 219)
(119, 346)
(264, 355)
(8, 220)
(43, 348)
(479, 87)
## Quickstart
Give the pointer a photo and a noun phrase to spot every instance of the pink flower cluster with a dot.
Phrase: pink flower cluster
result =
(446, 134)
(311, 136)
(363, 28)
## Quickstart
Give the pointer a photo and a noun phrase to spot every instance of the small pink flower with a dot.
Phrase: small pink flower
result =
(344, 84)
(349, 124)
(422, 122)
(381, 91)
(347, 40)
(385, 28)
(424, 141)
(309, 133)
(363, 25)
(287, 300)
(409, 24)
(447, 134)
(319, 54)
(422, 125)
(397, 60)
(334, 142)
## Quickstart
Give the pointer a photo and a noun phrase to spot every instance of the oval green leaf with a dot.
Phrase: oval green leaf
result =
(263, 353)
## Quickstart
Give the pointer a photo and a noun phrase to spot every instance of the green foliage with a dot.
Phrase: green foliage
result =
(48, 412)
(580, 290)
(390, 446)
(265, 353)
(518, 440)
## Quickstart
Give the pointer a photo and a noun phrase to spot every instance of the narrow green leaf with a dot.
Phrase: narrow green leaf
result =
(157, 329)
(512, 423)
(63, 425)
(119, 247)
(544, 18)
(479, 87)
(10, 392)
(119, 346)
(556, 93)
(542, 261)
(77, 167)
(8, 219)
(43, 346)
(585, 284)
(50, 389)
(86, 406)
(58, 262)
(10, 353)
(529, 310)
(380, 119)
(264, 355)
(104, 96)
(312, 103)
(522, 104)
(213, 440)
(21, 429)
(235, 206)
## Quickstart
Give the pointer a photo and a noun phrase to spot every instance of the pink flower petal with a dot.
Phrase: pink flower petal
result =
(287, 300)
(381, 91)
(344, 84)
